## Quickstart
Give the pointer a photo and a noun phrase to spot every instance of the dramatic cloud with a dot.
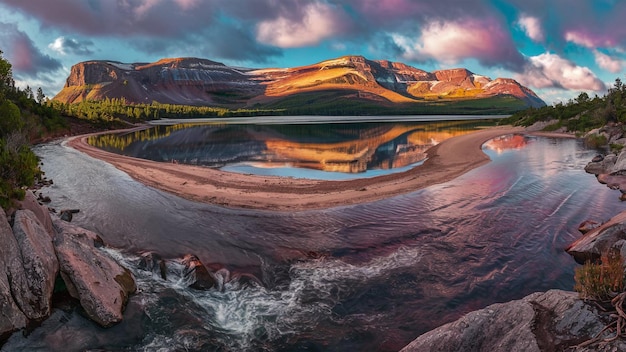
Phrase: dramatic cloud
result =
(607, 62)
(454, 41)
(122, 18)
(20, 50)
(550, 70)
(532, 27)
(587, 40)
(317, 22)
(64, 46)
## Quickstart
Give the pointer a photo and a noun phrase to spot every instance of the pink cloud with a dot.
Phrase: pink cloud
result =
(550, 71)
(451, 42)
(588, 40)
(607, 62)
(532, 26)
(318, 21)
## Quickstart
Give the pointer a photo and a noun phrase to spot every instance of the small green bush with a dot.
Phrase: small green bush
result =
(596, 141)
(600, 281)
(616, 147)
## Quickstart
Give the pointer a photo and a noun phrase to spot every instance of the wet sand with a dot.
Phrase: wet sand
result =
(446, 161)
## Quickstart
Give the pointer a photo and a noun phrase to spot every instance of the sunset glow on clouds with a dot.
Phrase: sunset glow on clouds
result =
(558, 48)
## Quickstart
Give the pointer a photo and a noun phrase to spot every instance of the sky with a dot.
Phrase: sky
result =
(558, 48)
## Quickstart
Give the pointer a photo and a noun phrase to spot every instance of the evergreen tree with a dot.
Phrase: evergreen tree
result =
(40, 95)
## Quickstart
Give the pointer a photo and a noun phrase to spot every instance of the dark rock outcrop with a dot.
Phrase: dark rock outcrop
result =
(99, 282)
(33, 274)
(154, 263)
(68, 214)
(196, 274)
(549, 321)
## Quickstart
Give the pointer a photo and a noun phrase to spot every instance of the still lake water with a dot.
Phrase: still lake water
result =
(369, 277)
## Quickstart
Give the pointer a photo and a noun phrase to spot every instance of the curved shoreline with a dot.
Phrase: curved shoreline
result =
(446, 161)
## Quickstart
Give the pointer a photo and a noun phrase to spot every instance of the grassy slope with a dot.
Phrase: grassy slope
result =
(335, 103)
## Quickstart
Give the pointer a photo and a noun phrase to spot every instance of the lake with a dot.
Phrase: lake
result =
(369, 277)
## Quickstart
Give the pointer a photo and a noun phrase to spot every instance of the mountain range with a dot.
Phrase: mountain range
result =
(349, 82)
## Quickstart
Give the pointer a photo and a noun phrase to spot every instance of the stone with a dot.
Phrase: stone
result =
(153, 262)
(67, 214)
(599, 240)
(598, 158)
(196, 274)
(549, 321)
(11, 317)
(33, 275)
(602, 167)
(587, 226)
(619, 167)
(43, 214)
(101, 284)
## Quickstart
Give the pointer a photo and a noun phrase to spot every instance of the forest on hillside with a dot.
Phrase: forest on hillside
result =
(23, 117)
(580, 114)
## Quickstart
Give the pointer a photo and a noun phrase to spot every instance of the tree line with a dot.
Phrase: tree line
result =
(580, 114)
(22, 119)
(108, 110)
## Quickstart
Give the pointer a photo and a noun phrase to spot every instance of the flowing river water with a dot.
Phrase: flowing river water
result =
(369, 277)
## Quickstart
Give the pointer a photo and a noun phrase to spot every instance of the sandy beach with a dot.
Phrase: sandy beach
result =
(446, 161)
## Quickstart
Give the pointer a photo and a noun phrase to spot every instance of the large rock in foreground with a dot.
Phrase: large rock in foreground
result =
(599, 240)
(550, 321)
(11, 317)
(99, 282)
(34, 270)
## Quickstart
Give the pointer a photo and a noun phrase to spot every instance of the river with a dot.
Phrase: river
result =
(369, 277)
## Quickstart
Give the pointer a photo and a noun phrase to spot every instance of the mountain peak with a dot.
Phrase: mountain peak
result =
(195, 81)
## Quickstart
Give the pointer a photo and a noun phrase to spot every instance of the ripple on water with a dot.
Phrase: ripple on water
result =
(370, 276)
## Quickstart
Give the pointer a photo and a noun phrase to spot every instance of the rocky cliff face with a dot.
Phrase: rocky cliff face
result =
(193, 81)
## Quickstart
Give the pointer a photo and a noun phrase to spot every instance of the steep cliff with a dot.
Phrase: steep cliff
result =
(193, 81)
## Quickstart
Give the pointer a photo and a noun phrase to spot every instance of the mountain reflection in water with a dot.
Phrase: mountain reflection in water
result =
(345, 148)
(367, 277)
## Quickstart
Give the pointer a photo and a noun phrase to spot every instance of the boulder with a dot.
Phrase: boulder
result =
(11, 317)
(42, 213)
(599, 240)
(549, 321)
(619, 168)
(100, 284)
(67, 214)
(196, 274)
(605, 166)
(33, 274)
(587, 226)
(153, 262)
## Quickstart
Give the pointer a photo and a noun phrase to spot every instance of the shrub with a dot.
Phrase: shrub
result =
(596, 140)
(18, 169)
(600, 281)
(616, 147)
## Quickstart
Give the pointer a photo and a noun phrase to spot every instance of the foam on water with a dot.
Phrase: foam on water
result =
(365, 277)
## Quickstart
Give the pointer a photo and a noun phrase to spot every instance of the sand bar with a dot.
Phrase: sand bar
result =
(446, 161)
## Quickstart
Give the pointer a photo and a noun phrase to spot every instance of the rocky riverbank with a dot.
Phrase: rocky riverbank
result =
(44, 255)
(555, 320)
(545, 321)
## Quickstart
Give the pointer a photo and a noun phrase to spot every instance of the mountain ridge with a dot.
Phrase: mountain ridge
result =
(202, 82)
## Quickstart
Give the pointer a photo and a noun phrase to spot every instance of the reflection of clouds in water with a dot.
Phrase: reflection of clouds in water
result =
(503, 143)
(400, 265)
